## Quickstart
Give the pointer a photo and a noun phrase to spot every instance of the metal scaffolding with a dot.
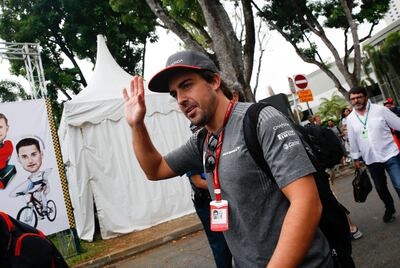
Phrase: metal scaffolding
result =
(30, 54)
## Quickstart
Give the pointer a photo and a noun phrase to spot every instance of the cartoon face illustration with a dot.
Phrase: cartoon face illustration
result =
(3, 129)
(30, 158)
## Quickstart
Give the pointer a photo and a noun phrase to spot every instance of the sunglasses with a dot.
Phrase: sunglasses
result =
(211, 148)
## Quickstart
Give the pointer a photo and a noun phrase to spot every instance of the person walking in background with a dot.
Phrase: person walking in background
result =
(201, 202)
(331, 125)
(266, 221)
(371, 139)
(396, 110)
(389, 103)
(317, 120)
(355, 232)
(310, 119)
(345, 112)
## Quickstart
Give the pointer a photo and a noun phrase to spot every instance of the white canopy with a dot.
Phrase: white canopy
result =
(101, 166)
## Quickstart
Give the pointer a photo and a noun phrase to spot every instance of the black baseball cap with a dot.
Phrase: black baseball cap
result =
(182, 60)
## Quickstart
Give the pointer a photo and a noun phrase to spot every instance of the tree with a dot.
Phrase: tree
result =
(385, 60)
(205, 26)
(12, 91)
(66, 31)
(332, 108)
(300, 22)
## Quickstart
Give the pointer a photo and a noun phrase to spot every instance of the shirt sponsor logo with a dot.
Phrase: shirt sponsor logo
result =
(285, 134)
(231, 151)
(290, 144)
(280, 126)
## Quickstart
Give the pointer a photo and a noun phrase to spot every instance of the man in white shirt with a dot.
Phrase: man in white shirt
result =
(370, 138)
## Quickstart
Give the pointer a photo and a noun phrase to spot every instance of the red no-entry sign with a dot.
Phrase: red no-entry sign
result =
(300, 81)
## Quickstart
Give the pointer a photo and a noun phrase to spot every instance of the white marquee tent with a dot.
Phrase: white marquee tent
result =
(101, 166)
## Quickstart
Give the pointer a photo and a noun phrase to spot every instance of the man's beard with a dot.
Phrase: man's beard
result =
(360, 106)
(204, 119)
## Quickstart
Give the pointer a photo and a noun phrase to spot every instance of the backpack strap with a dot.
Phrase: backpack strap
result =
(250, 123)
(10, 228)
(201, 138)
(8, 221)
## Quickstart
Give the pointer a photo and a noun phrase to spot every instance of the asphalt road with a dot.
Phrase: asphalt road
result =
(379, 246)
(189, 251)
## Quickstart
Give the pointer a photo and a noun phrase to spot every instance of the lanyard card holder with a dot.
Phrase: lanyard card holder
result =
(219, 216)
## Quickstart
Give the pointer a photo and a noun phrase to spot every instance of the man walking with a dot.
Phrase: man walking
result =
(267, 221)
(370, 138)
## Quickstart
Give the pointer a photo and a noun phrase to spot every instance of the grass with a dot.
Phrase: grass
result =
(89, 250)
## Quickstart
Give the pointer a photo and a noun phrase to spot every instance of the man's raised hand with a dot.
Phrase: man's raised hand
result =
(135, 108)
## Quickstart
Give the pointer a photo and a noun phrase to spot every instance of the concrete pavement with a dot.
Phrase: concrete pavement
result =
(141, 241)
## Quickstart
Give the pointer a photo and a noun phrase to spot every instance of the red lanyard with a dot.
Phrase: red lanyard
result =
(217, 188)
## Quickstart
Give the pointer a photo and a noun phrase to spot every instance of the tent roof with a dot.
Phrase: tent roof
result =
(102, 98)
(108, 79)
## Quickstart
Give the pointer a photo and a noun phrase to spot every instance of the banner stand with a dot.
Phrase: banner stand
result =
(69, 243)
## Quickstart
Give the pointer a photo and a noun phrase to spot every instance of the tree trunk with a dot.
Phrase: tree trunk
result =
(234, 62)
(226, 45)
(357, 51)
(250, 41)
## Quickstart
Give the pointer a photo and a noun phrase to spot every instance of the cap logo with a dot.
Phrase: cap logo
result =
(176, 62)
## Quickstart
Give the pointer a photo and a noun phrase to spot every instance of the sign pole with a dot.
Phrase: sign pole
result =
(309, 109)
(293, 90)
(295, 106)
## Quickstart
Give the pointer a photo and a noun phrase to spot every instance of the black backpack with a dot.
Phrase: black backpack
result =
(22, 246)
(333, 223)
(326, 146)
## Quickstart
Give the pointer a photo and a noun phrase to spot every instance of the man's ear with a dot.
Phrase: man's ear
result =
(216, 83)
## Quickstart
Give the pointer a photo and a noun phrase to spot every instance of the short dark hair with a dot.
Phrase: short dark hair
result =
(358, 90)
(2, 116)
(27, 142)
(209, 77)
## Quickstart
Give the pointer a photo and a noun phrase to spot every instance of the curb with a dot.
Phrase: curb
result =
(149, 244)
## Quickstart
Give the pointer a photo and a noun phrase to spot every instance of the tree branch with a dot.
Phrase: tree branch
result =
(356, 43)
(248, 49)
(60, 42)
(201, 30)
(346, 51)
(261, 48)
(316, 52)
(175, 27)
(365, 37)
(321, 65)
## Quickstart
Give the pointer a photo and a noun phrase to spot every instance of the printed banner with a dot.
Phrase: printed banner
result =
(30, 179)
